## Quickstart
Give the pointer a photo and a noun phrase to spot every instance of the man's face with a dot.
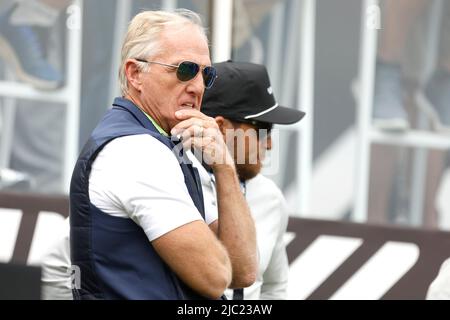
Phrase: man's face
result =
(249, 147)
(162, 93)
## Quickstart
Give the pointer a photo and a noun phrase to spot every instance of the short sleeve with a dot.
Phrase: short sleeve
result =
(140, 178)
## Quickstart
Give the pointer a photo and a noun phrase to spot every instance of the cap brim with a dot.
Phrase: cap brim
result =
(281, 115)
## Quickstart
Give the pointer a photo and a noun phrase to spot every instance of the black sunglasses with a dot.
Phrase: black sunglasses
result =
(187, 70)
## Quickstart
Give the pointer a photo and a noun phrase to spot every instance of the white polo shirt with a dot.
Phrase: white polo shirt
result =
(134, 177)
(269, 211)
(138, 177)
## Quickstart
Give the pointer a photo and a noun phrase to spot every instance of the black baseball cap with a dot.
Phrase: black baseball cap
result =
(242, 92)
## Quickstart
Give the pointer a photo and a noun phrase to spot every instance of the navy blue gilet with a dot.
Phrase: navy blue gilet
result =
(114, 255)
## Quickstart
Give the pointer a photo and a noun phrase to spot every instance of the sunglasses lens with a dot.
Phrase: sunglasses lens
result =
(187, 70)
(209, 76)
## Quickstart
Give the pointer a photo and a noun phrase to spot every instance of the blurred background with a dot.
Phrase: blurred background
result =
(373, 77)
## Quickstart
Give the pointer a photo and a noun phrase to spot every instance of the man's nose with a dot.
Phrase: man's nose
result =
(196, 85)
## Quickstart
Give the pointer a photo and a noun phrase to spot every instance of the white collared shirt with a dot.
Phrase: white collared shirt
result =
(269, 211)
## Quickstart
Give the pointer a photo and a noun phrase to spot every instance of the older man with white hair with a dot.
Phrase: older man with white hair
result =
(137, 221)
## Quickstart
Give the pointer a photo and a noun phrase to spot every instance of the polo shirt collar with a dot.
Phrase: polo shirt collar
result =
(139, 114)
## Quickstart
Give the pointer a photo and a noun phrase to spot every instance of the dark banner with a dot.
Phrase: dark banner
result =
(328, 259)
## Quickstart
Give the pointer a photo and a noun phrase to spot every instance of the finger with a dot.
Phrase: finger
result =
(186, 133)
(201, 143)
(186, 124)
(192, 131)
(197, 143)
(197, 131)
(207, 125)
(188, 113)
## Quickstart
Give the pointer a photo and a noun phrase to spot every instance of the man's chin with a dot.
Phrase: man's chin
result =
(248, 171)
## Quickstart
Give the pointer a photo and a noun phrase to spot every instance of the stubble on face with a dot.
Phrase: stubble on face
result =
(246, 152)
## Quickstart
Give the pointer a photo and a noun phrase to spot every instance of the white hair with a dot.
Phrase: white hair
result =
(143, 36)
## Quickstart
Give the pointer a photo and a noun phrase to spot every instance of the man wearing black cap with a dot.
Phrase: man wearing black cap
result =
(242, 101)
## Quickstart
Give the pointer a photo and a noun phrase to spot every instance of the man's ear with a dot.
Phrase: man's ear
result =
(133, 74)
(223, 124)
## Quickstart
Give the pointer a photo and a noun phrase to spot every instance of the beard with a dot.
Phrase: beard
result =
(247, 160)
(248, 171)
